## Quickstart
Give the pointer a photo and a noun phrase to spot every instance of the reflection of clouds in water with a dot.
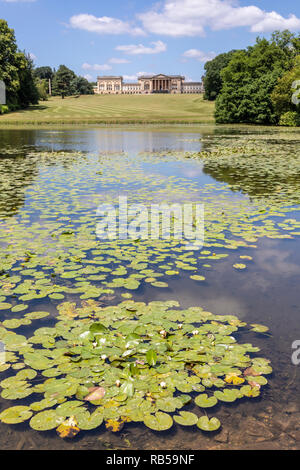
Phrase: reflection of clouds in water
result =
(224, 305)
(277, 262)
(192, 173)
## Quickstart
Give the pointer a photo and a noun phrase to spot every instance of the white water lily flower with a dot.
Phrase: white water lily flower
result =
(103, 357)
(195, 332)
(163, 385)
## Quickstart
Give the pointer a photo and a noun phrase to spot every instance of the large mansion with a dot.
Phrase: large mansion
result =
(110, 85)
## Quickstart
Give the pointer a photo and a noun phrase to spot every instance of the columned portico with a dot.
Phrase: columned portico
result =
(161, 84)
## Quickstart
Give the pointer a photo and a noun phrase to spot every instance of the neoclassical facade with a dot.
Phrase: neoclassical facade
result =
(148, 84)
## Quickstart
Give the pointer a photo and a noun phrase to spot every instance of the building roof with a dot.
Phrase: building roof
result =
(110, 77)
(145, 77)
(192, 83)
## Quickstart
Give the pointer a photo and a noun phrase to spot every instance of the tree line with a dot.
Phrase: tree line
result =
(255, 85)
(25, 84)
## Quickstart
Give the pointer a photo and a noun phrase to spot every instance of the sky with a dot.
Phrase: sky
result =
(137, 37)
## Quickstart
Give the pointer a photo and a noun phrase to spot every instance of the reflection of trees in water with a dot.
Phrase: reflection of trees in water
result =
(19, 172)
(16, 171)
(257, 165)
(16, 174)
(254, 181)
(22, 153)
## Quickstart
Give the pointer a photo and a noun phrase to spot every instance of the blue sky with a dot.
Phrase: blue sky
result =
(132, 37)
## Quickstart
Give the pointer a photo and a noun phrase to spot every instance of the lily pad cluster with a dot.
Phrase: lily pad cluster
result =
(133, 362)
(50, 250)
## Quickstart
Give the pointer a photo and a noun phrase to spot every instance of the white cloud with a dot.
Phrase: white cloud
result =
(273, 21)
(136, 49)
(191, 18)
(88, 77)
(199, 55)
(134, 78)
(32, 56)
(103, 25)
(119, 61)
(96, 67)
(130, 78)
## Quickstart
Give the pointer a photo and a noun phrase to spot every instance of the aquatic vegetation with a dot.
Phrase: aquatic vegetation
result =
(79, 363)
(133, 362)
(50, 249)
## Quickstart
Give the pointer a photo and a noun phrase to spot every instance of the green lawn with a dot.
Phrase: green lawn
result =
(98, 109)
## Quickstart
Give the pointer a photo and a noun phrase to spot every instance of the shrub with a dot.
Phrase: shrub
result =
(290, 118)
(4, 109)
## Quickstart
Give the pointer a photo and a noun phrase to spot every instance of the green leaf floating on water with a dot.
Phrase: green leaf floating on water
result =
(158, 422)
(151, 357)
(16, 414)
(239, 266)
(97, 328)
(46, 420)
(206, 402)
(228, 395)
(197, 278)
(185, 418)
(259, 328)
(206, 424)
(87, 421)
(36, 315)
(19, 308)
(131, 370)
(5, 306)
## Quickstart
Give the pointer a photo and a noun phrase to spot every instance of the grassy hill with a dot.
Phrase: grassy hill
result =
(100, 109)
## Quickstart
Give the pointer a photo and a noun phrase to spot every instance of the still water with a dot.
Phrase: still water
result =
(51, 183)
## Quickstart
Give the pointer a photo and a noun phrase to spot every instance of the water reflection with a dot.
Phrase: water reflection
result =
(266, 292)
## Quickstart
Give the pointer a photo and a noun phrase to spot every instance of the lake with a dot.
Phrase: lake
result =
(246, 180)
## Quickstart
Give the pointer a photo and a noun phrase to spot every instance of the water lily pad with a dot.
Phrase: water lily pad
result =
(228, 395)
(16, 414)
(205, 402)
(158, 422)
(186, 418)
(87, 421)
(206, 424)
(239, 266)
(19, 308)
(197, 278)
(46, 420)
(259, 328)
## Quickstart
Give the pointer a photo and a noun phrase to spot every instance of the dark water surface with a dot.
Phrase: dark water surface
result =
(266, 292)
